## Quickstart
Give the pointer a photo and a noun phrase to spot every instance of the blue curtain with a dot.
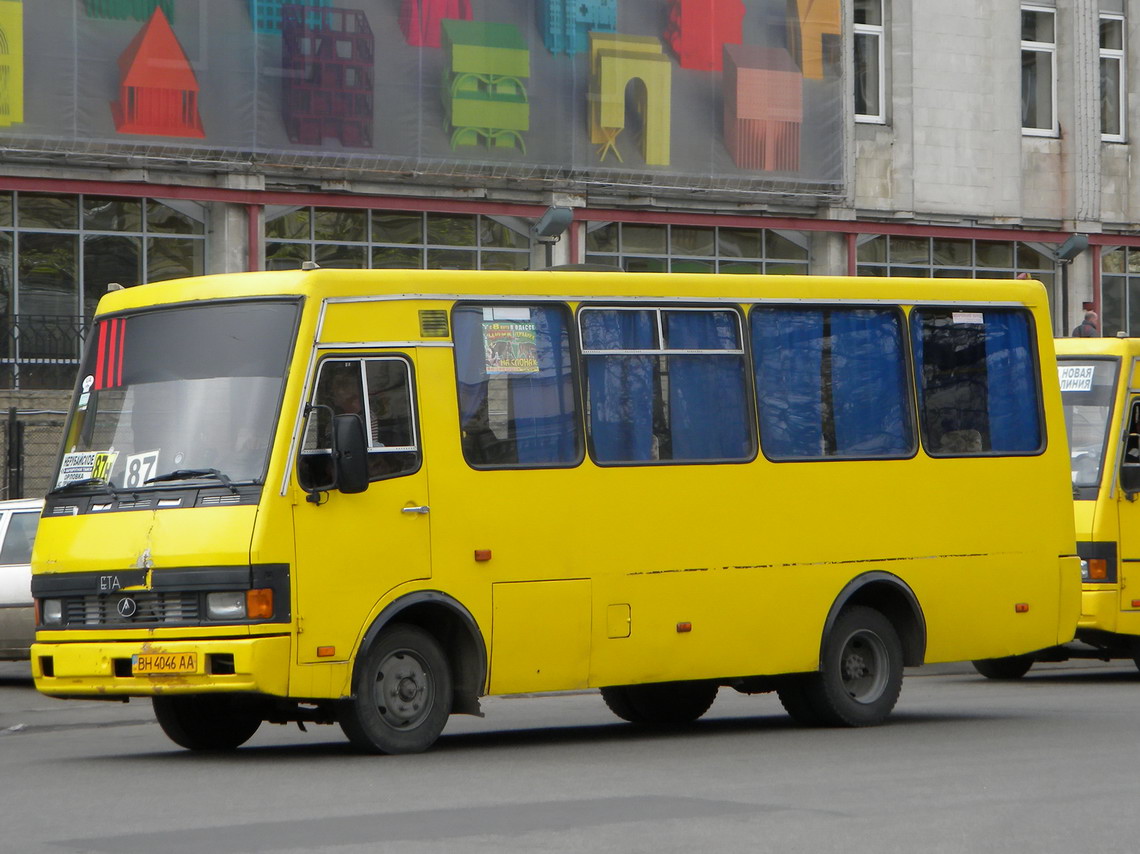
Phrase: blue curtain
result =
(868, 383)
(1012, 384)
(787, 347)
(620, 386)
(543, 417)
(701, 385)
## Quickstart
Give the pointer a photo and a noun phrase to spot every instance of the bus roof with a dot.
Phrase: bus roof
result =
(1098, 346)
(572, 285)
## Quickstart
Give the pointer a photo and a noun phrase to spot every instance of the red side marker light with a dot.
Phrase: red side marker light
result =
(482, 554)
(1021, 607)
(326, 651)
(684, 627)
(1136, 603)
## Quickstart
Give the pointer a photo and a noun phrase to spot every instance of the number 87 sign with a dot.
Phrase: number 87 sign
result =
(140, 468)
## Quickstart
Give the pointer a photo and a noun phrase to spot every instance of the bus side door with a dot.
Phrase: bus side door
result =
(1128, 509)
(353, 548)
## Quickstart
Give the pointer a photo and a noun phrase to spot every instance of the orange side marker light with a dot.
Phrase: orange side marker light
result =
(684, 627)
(326, 651)
(482, 554)
(1021, 607)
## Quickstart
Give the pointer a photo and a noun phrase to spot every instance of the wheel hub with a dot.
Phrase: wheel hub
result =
(403, 690)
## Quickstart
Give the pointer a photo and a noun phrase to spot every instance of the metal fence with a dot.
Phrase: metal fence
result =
(30, 439)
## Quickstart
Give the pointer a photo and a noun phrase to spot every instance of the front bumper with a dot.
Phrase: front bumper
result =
(103, 668)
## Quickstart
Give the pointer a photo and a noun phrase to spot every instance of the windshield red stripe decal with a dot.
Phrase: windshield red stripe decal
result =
(99, 350)
(109, 353)
(122, 324)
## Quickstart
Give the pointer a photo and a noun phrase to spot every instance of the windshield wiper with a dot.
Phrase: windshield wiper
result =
(187, 474)
(87, 481)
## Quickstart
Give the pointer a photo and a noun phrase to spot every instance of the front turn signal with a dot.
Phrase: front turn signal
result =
(259, 603)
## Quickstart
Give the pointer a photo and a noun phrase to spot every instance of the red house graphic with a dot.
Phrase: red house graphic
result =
(158, 94)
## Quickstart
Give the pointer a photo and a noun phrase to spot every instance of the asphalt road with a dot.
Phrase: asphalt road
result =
(1047, 764)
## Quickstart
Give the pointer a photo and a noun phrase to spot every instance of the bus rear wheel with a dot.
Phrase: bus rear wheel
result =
(663, 704)
(860, 675)
(402, 696)
(207, 721)
(1010, 667)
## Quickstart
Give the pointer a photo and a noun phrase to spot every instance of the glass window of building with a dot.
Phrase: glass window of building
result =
(1112, 87)
(869, 62)
(642, 248)
(58, 254)
(954, 258)
(377, 239)
(1038, 71)
(1119, 291)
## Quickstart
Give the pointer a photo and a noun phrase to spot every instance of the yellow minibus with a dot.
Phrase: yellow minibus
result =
(1100, 394)
(372, 497)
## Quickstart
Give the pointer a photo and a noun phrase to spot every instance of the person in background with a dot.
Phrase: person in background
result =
(1088, 327)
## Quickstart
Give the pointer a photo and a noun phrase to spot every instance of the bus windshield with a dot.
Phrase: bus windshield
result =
(179, 393)
(1088, 387)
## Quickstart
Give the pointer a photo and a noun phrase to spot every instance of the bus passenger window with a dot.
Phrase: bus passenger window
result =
(832, 383)
(666, 384)
(517, 402)
(977, 381)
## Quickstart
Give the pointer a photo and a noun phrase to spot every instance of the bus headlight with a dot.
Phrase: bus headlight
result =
(51, 610)
(225, 606)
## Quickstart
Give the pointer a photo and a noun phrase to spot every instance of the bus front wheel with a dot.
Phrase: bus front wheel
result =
(664, 704)
(860, 675)
(402, 696)
(207, 721)
(1010, 667)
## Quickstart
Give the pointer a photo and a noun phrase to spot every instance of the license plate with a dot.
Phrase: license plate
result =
(162, 663)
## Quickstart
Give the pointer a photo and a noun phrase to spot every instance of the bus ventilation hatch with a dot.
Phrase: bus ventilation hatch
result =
(433, 324)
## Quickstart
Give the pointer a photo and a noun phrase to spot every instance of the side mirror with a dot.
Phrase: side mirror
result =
(350, 453)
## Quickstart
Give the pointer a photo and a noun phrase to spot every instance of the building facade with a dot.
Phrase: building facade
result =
(149, 139)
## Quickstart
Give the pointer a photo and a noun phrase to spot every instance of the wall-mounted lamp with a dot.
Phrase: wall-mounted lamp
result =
(552, 224)
(1071, 248)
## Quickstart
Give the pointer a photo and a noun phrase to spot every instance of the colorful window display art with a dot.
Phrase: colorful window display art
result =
(817, 40)
(121, 10)
(328, 56)
(566, 24)
(420, 19)
(266, 14)
(11, 63)
(158, 92)
(509, 95)
(698, 30)
(484, 97)
(615, 62)
(763, 107)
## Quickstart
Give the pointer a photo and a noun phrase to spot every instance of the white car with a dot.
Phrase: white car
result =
(18, 522)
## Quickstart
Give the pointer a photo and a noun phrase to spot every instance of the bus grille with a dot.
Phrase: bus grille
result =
(151, 608)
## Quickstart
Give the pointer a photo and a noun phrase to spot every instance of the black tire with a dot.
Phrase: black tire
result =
(663, 704)
(402, 696)
(860, 676)
(794, 697)
(1008, 668)
(204, 722)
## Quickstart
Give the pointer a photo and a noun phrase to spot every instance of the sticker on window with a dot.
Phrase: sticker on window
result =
(509, 347)
(140, 468)
(967, 317)
(84, 465)
(1075, 377)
